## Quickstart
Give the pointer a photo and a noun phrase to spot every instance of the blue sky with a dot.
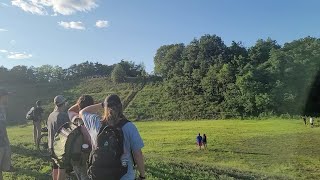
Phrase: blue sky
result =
(59, 32)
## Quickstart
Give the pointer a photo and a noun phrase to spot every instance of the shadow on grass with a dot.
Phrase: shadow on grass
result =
(238, 152)
(171, 168)
(22, 150)
(27, 173)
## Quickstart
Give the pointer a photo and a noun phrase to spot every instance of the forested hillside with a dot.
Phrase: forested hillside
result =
(203, 79)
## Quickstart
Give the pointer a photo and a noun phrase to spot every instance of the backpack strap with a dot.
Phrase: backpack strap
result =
(122, 123)
(103, 126)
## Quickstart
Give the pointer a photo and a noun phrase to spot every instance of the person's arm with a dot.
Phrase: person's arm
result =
(50, 135)
(136, 144)
(138, 158)
(91, 109)
(74, 108)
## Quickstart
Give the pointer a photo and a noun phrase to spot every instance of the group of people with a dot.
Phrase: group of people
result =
(92, 126)
(311, 121)
(201, 141)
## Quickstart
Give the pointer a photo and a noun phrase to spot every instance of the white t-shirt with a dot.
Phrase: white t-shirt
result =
(311, 120)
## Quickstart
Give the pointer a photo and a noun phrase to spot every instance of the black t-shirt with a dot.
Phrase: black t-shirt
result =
(37, 112)
(204, 139)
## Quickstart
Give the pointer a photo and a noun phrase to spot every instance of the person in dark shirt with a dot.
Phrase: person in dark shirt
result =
(204, 141)
(199, 141)
(304, 120)
(37, 118)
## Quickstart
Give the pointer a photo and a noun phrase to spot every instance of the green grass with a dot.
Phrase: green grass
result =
(237, 149)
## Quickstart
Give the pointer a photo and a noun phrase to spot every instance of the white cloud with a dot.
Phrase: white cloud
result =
(14, 55)
(64, 7)
(3, 30)
(17, 55)
(102, 24)
(4, 4)
(72, 25)
(30, 6)
(70, 7)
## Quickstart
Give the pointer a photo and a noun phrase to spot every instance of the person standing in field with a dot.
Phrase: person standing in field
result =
(127, 150)
(5, 151)
(73, 112)
(55, 120)
(199, 141)
(204, 141)
(304, 120)
(311, 121)
(37, 118)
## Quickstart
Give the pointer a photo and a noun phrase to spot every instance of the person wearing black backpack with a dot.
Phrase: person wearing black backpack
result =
(80, 168)
(116, 142)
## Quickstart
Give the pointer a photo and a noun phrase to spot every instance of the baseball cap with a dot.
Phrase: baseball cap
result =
(58, 100)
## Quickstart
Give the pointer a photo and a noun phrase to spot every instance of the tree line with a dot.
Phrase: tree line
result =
(49, 73)
(210, 77)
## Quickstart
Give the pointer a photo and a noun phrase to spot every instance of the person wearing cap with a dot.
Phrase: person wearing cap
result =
(56, 119)
(73, 112)
(37, 118)
(113, 114)
(5, 151)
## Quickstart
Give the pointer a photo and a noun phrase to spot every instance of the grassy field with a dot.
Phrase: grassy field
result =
(237, 149)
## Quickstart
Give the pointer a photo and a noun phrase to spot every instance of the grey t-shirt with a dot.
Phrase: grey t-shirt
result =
(4, 140)
(55, 120)
(132, 139)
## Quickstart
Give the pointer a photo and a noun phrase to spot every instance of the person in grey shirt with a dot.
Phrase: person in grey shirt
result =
(56, 119)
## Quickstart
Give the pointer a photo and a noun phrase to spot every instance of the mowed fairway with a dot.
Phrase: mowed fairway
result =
(237, 149)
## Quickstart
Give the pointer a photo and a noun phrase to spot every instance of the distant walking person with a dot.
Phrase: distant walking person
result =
(304, 120)
(204, 141)
(56, 119)
(37, 118)
(5, 151)
(199, 141)
(311, 122)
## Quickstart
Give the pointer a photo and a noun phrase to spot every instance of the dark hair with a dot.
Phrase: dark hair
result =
(84, 101)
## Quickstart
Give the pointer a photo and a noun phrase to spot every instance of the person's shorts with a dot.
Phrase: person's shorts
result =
(199, 143)
(55, 165)
(5, 158)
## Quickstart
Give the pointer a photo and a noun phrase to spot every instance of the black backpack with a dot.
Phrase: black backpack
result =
(105, 161)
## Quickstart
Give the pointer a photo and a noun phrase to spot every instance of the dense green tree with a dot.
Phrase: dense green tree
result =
(118, 74)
